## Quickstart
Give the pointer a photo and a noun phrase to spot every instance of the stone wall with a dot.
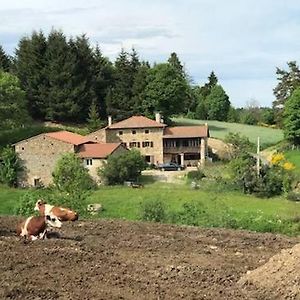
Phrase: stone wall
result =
(139, 135)
(38, 156)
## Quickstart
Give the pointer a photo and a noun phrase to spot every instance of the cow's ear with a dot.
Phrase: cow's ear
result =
(48, 217)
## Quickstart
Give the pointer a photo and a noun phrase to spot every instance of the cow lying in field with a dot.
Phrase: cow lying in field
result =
(63, 214)
(35, 228)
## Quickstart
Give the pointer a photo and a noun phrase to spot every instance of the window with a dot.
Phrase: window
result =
(89, 162)
(22, 148)
(147, 144)
(147, 131)
(124, 144)
(133, 132)
(134, 145)
(120, 132)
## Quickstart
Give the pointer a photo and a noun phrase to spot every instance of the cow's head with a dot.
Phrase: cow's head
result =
(39, 204)
(53, 221)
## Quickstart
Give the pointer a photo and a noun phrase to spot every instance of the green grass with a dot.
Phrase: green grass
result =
(293, 156)
(248, 212)
(268, 136)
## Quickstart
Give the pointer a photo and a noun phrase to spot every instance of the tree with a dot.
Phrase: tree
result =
(288, 81)
(122, 167)
(30, 67)
(291, 118)
(9, 166)
(201, 109)
(176, 64)
(166, 91)
(94, 121)
(218, 104)
(13, 112)
(70, 175)
(5, 62)
(103, 80)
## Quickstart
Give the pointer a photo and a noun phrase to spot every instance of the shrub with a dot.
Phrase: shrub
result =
(293, 196)
(126, 166)
(71, 176)
(9, 167)
(153, 211)
(26, 204)
(195, 175)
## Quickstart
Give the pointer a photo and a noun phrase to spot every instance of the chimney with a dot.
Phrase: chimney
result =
(109, 120)
(157, 117)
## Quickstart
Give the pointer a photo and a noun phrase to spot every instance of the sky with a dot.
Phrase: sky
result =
(242, 41)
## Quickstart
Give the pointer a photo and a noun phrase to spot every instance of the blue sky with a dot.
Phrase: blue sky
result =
(243, 41)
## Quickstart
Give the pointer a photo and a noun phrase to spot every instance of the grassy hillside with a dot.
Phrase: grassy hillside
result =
(294, 157)
(268, 136)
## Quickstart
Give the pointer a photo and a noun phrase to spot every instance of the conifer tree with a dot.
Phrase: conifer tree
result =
(4, 61)
(94, 121)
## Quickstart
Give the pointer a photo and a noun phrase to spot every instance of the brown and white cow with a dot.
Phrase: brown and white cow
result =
(35, 227)
(63, 214)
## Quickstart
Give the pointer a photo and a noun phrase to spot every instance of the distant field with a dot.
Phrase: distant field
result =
(268, 136)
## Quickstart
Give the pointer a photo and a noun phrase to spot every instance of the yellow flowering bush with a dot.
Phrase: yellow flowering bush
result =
(277, 158)
(288, 166)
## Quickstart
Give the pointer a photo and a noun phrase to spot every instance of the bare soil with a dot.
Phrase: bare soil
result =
(110, 259)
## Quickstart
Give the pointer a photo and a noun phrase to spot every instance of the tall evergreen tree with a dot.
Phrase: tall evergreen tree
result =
(62, 102)
(30, 67)
(93, 120)
(174, 61)
(5, 61)
(103, 80)
(120, 104)
(139, 86)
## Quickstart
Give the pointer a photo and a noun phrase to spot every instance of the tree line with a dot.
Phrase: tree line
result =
(68, 80)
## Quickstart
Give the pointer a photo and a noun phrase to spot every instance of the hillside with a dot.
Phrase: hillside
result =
(268, 136)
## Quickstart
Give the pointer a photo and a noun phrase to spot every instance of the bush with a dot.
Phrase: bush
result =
(26, 204)
(293, 196)
(9, 167)
(71, 176)
(153, 211)
(195, 175)
(126, 166)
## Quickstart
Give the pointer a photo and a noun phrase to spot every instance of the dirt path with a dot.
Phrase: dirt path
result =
(129, 260)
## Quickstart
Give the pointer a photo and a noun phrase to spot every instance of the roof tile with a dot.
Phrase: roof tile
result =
(68, 137)
(186, 132)
(101, 150)
(136, 122)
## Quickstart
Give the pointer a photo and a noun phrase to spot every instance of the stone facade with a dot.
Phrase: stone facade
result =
(38, 157)
(147, 140)
(92, 164)
(157, 144)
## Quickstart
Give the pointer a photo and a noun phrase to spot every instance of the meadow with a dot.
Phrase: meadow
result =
(205, 207)
(217, 129)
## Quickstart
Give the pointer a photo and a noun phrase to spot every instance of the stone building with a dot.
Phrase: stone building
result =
(158, 143)
(94, 155)
(39, 155)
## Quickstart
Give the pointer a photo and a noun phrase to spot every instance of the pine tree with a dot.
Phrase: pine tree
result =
(62, 102)
(103, 80)
(30, 67)
(4, 61)
(93, 120)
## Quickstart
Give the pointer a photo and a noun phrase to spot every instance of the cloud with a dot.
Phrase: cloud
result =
(242, 41)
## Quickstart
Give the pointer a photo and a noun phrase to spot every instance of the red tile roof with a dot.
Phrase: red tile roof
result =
(68, 137)
(186, 132)
(136, 122)
(99, 150)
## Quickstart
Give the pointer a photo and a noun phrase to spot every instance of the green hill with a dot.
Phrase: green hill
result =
(268, 136)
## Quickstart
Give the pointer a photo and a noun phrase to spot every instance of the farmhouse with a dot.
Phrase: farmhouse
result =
(39, 155)
(158, 143)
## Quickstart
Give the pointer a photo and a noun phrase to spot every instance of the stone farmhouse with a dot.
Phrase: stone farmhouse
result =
(39, 155)
(158, 143)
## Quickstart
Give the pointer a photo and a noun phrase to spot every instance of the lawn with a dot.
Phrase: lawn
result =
(123, 202)
(293, 156)
(268, 136)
